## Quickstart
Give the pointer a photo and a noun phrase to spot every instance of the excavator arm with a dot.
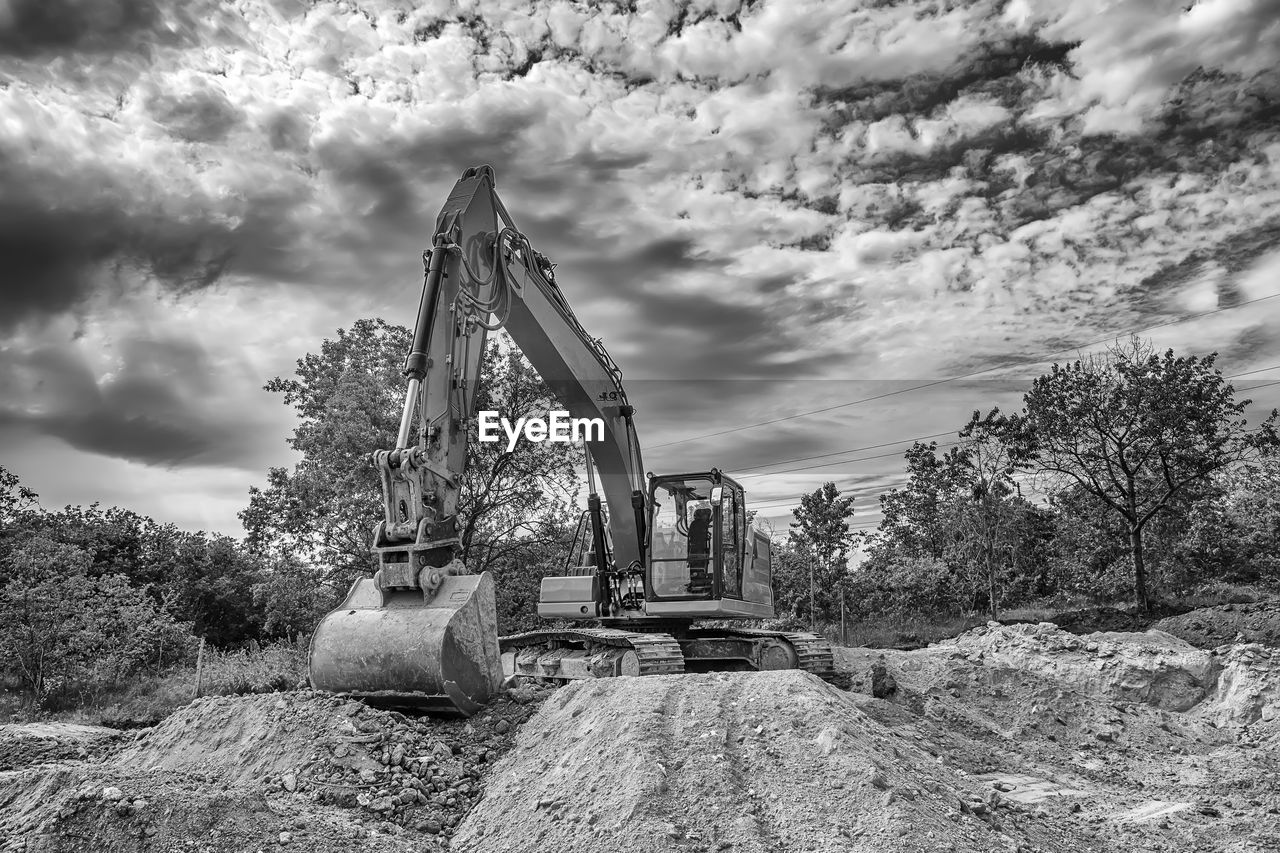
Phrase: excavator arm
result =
(483, 274)
(422, 631)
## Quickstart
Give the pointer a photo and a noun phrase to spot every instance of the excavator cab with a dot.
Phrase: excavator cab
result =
(701, 548)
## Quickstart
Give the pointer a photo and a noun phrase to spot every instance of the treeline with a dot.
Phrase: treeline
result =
(1149, 485)
(1125, 476)
(90, 597)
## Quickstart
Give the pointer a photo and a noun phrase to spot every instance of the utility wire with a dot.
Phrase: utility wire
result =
(829, 464)
(738, 475)
(838, 452)
(964, 375)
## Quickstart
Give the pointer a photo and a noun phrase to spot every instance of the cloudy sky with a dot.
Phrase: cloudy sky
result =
(764, 208)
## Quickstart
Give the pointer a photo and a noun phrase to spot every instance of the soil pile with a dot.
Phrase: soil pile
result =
(1101, 731)
(36, 743)
(240, 773)
(1211, 627)
(1017, 739)
(774, 761)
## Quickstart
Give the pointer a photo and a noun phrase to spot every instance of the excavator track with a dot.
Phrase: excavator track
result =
(658, 654)
(813, 653)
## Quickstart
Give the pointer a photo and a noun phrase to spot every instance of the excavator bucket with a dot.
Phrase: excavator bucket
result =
(395, 650)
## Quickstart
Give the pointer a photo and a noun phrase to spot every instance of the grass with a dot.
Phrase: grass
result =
(146, 698)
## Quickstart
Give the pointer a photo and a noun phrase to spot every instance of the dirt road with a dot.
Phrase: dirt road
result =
(1022, 738)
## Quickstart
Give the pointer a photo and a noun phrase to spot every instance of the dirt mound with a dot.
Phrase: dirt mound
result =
(36, 743)
(1085, 728)
(1153, 667)
(775, 761)
(1210, 627)
(1017, 739)
(237, 773)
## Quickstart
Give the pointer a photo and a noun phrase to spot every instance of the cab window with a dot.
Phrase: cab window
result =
(681, 536)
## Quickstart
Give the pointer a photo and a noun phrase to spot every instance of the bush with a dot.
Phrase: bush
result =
(905, 585)
(67, 635)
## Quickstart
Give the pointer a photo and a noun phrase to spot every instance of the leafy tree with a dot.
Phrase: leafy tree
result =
(898, 583)
(288, 599)
(822, 539)
(1233, 536)
(348, 398)
(15, 498)
(988, 522)
(64, 631)
(209, 582)
(1136, 430)
(790, 584)
(915, 518)
(961, 523)
(518, 571)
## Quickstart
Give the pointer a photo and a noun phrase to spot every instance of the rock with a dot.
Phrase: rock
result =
(290, 782)
(827, 740)
(112, 794)
(286, 837)
(883, 683)
(502, 727)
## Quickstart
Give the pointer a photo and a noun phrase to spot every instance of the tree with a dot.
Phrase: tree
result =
(915, 519)
(209, 583)
(1136, 430)
(65, 631)
(989, 520)
(1234, 534)
(15, 498)
(821, 537)
(348, 399)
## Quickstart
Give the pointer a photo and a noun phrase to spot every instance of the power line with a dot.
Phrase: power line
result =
(963, 375)
(1248, 372)
(783, 503)
(838, 452)
(837, 462)
(738, 475)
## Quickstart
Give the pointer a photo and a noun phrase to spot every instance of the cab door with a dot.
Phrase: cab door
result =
(731, 542)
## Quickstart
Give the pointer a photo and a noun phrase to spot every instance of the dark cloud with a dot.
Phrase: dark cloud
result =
(202, 116)
(288, 130)
(159, 406)
(70, 233)
(991, 72)
(30, 27)
(62, 236)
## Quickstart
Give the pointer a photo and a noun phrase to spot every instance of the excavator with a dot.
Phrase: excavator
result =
(655, 558)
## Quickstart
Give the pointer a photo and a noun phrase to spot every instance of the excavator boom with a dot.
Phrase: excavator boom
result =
(655, 553)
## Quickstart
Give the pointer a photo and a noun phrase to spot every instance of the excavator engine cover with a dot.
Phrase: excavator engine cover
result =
(393, 649)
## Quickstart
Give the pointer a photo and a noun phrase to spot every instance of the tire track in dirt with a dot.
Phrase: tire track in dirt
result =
(704, 802)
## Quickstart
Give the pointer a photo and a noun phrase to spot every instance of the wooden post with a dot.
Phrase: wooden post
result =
(844, 637)
(813, 612)
(199, 667)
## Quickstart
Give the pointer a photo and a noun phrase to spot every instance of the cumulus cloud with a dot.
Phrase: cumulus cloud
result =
(732, 189)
